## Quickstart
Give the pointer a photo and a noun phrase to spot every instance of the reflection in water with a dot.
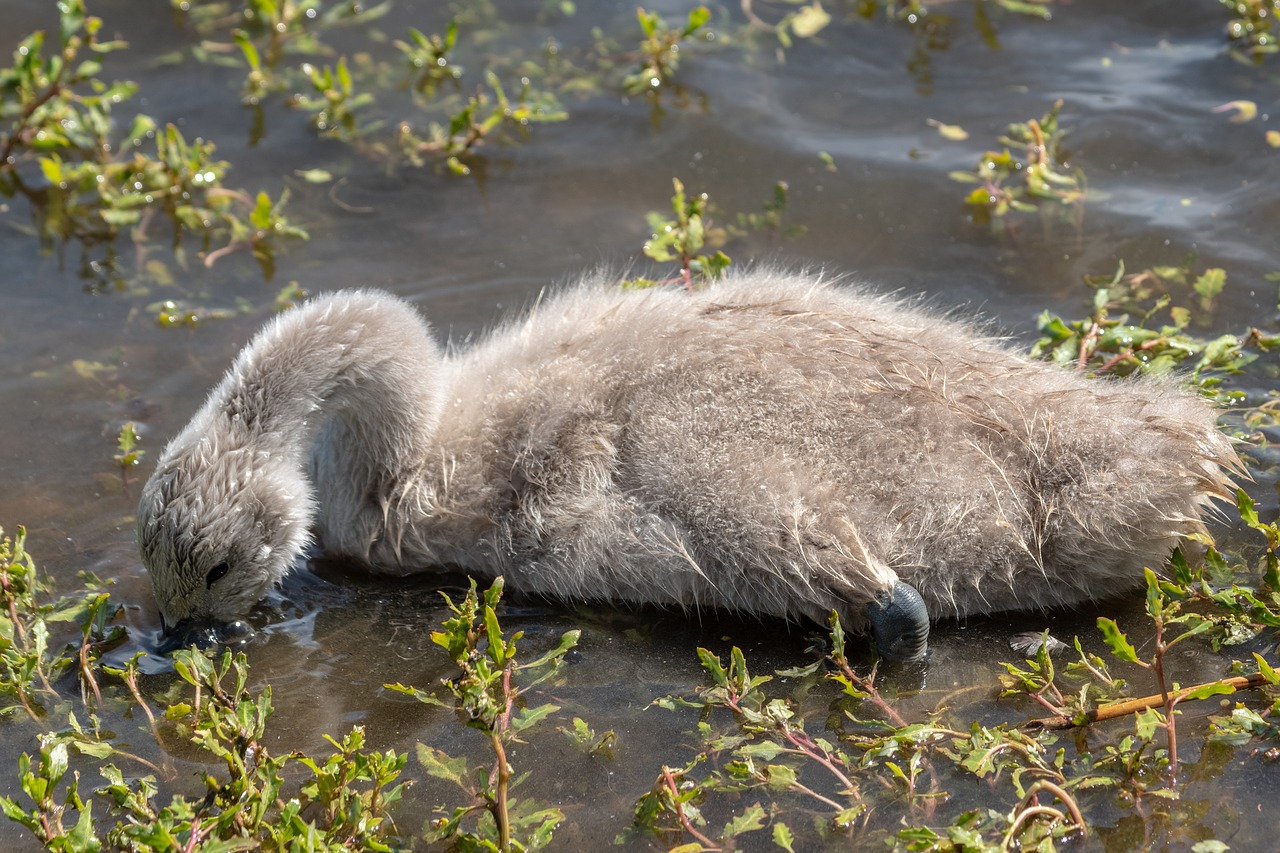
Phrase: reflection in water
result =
(1139, 81)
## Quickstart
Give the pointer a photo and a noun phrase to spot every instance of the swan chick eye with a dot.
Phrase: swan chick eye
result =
(216, 574)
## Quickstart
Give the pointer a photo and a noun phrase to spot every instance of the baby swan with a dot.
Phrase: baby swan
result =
(773, 444)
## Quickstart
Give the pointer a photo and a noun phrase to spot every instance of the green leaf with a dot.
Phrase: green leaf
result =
(1204, 691)
(1210, 284)
(955, 133)
(442, 766)
(698, 18)
(751, 819)
(711, 663)
(528, 716)
(497, 648)
(247, 48)
(315, 176)
(782, 836)
(1267, 671)
(1244, 503)
(1146, 722)
(96, 749)
(1118, 642)
(780, 776)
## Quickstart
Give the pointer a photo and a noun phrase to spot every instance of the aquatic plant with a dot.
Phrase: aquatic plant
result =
(333, 105)
(92, 185)
(428, 56)
(769, 751)
(29, 660)
(1252, 27)
(129, 454)
(660, 48)
(486, 114)
(267, 31)
(260, 801)
(488, 695)
(1009, 183)
(682, 240)
(805, 22)
(1138, 325)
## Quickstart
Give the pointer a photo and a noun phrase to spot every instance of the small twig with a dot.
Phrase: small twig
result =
(131, 679)
(86, 674)
(1049, 706)
(1023, 816)
(349, 208)
(805, 744)
(1134, 706)
(1063, 797)
(756, 20)
(235, 246)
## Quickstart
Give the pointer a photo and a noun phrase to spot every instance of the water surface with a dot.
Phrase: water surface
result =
(1171, 179)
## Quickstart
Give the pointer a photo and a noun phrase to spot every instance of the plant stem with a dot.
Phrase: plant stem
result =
(501, 814)
(669, 781)
(1134, 706)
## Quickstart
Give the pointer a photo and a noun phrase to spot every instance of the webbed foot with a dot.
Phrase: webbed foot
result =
(900, 623)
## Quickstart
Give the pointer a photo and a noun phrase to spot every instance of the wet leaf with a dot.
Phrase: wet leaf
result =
(782, 836)
(1120, 645)
(315, 176)
(949, 131)
(808, 21)
(1242, 111)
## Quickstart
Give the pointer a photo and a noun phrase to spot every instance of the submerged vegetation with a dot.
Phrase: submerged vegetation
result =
(834, 751)
(769, 761)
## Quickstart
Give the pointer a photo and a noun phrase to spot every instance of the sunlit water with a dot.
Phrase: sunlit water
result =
(1171, 178)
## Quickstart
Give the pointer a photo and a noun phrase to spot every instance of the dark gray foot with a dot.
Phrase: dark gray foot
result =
(900, 623)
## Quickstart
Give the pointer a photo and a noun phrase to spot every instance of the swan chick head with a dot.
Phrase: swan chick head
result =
(217, 529)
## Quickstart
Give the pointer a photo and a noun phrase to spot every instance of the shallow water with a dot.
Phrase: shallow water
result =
(1171, 178)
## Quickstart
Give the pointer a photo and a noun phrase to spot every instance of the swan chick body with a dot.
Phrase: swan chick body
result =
(773, 444)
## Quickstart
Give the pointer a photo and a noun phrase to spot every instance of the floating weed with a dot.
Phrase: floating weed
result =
(488, 696)
(428, 57)
(805, 22)
(29, 664)
(91, 186)
(129, 454)
(682, 240)
(770, 750)
(334, 103)
(260, 801)
(265, 32)
(586, 739)
(1206, 601)
(1252, 27)
(181, 313)
(290, 296)
(487, 114)
(1137, 327)
(1009, 183)
(660, 48)
(769, 220)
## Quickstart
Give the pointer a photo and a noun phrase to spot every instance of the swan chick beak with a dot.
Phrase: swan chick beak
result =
(203, 634)
(900, 623)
